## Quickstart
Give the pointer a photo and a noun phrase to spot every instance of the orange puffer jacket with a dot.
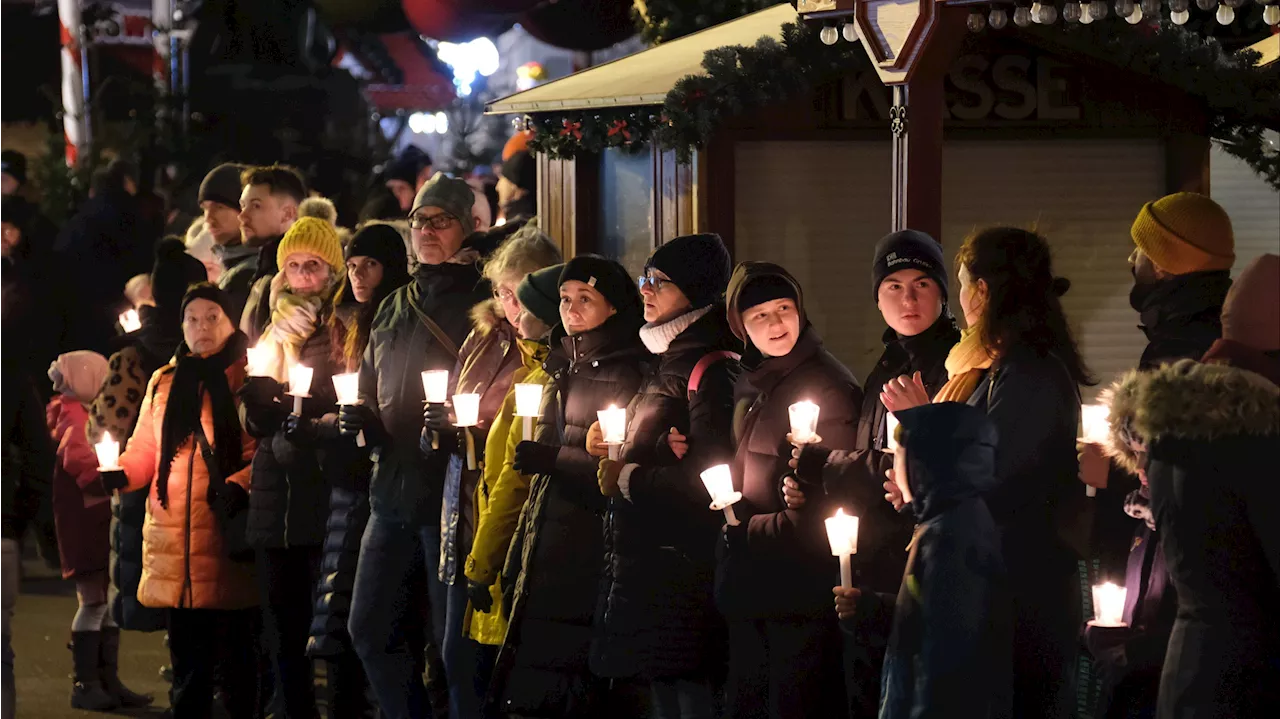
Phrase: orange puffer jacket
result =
(183, 562)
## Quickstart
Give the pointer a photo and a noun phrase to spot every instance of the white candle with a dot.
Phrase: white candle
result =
(528, 405)
(259, 361)
(890, 429)
(804, 422)
(108, 451)
(1095, 423)
(1108, 605)
(347, 387)
(435, 386)
(842, 533)
(719, 483)
(299, 385)
(613, 425)
(130, 322)
(466, 412)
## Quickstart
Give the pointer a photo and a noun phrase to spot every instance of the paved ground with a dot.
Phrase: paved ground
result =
(42, 668)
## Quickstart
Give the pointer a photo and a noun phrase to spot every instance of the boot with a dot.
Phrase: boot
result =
(87, 692)
(108, 667)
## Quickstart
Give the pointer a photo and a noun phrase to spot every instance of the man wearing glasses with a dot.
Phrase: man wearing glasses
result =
(418, 327)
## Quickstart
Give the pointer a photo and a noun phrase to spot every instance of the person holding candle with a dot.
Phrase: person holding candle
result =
(656, 620)
(1018, 361)
(775, 569)
(597, 360)
(503, 491)
(947, 631)
(187, 570)
(268, 208)
(487, 363)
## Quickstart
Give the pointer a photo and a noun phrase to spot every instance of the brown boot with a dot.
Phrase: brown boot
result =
(108, 668)
(87, 691)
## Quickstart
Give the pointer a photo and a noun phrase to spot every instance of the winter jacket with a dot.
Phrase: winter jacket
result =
(183, 559)
(784, 569)
(29, 456)
(406, 485)
(486, 362)
(656, 616)
(83, 522)
(500, 497)
(257, 305)
(555, 559)
(858, 477)
(948, 651)
(239, 266)
(1212, 436)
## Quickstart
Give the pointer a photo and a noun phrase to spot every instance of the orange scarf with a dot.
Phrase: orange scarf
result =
(965, 364)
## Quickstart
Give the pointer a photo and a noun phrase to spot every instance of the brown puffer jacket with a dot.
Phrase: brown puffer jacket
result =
(184, 564)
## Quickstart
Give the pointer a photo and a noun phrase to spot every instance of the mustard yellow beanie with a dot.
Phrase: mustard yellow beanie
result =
(1185, 232)
(314, 235)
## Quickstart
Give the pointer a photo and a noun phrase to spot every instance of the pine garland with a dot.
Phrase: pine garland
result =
(661, 20)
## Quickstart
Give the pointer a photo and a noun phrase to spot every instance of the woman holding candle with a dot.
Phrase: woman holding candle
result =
(775, 570)
(487, 363)
(1018, 361)
(210, 598)
(656, 620)
(597, 360)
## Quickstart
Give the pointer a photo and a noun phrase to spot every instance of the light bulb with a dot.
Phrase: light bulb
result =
(1151, 7)
(1098, 9)
(1071, 12)
(1086, 13)
(976, 22)
(1271, 14)
(999, 18)
(1234, 4)
(1134, 17)
(829, 35)
(1226, 15)
(849, 31)
(1022, 16)
(1048, 14)
(1036, 9)
(1180, 18)
(1124, 8)
(1179, 5)
(1206, 5)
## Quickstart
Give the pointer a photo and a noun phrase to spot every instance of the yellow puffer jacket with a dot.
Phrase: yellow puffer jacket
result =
(500, 495)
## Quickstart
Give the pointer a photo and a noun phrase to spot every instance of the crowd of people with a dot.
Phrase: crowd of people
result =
(466, 555)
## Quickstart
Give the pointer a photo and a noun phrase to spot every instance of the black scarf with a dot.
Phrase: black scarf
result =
(193, 377)
(1181, 315)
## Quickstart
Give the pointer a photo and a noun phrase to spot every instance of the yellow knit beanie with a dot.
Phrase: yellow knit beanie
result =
(1185, 232)
(314, 235)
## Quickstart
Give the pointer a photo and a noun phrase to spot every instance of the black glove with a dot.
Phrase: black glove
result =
(448, 440)
(436, 417)
(260, 391)
(231, 500)
(114, 480)
(481, 599)
(307, 430)
(352, 419)
(534, 458)
(813, 457)
(735, 537)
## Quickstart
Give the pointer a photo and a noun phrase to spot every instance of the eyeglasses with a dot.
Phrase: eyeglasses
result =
(657, 283)
(438, 222)
(504, 295)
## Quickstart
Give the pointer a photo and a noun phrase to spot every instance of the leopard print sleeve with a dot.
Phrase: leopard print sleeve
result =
(115, 409)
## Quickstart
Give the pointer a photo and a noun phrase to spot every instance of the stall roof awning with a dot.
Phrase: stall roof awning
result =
(1270, 49)
(644, 78)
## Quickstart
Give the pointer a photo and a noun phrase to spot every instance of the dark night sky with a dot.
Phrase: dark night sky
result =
(30, 47)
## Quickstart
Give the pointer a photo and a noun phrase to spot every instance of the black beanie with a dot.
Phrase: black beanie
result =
(608, 278)
(174, 271)
(222, 185)
(209, 291)
(407, 166)
(765, 288)
(698, 264)
(539, 293)
(908, 250)
(521, 170)
(383, 243)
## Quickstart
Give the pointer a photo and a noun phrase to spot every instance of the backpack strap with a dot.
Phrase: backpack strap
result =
(705, 363)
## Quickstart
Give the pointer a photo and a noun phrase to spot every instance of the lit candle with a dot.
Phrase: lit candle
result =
(299, 385)
(259, 361)
(130, 322)
(466, 412)
(890, 429)
(108, 451)
(528, 405)
(1095, 423)
(613, 425)
(435, 389)
(719, 483)
(1108, 605)
(347, 387)
(842, 533)
(804, 422)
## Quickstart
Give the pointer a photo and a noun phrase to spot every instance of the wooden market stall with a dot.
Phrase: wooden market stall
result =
(1026, 127)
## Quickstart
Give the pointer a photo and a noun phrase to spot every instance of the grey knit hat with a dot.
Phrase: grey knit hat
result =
(450, 194)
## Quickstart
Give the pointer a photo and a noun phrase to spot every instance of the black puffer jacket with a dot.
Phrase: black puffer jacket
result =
(289, 498)
(656, 615)
(784, 569)
(556, 553)
(1213, 442)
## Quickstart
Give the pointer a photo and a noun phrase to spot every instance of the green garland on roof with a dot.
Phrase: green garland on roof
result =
(661, 20)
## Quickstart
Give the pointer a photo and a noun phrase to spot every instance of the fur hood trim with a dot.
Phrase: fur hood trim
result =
(488, 316)
(1190, 400)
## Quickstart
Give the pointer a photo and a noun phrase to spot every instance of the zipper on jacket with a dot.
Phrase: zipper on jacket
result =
(188, 591)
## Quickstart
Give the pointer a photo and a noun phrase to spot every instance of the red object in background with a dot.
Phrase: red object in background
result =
(582, 25)
(423, 88)
(463, 20)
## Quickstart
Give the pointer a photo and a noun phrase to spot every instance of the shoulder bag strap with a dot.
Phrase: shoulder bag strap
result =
(438, 333)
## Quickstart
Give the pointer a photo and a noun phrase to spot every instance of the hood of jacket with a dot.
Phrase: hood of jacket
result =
(1191, 401)
(742, 276)
(487, 316)
(951, 455)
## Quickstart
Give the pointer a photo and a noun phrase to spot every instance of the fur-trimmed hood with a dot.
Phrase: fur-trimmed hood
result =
(1189, 400)
(488, 316)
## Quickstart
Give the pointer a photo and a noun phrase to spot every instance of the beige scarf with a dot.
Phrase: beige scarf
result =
(293, 321)
(965, 364)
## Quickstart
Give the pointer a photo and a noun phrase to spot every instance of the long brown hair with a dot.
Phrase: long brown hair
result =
(1023, 306)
